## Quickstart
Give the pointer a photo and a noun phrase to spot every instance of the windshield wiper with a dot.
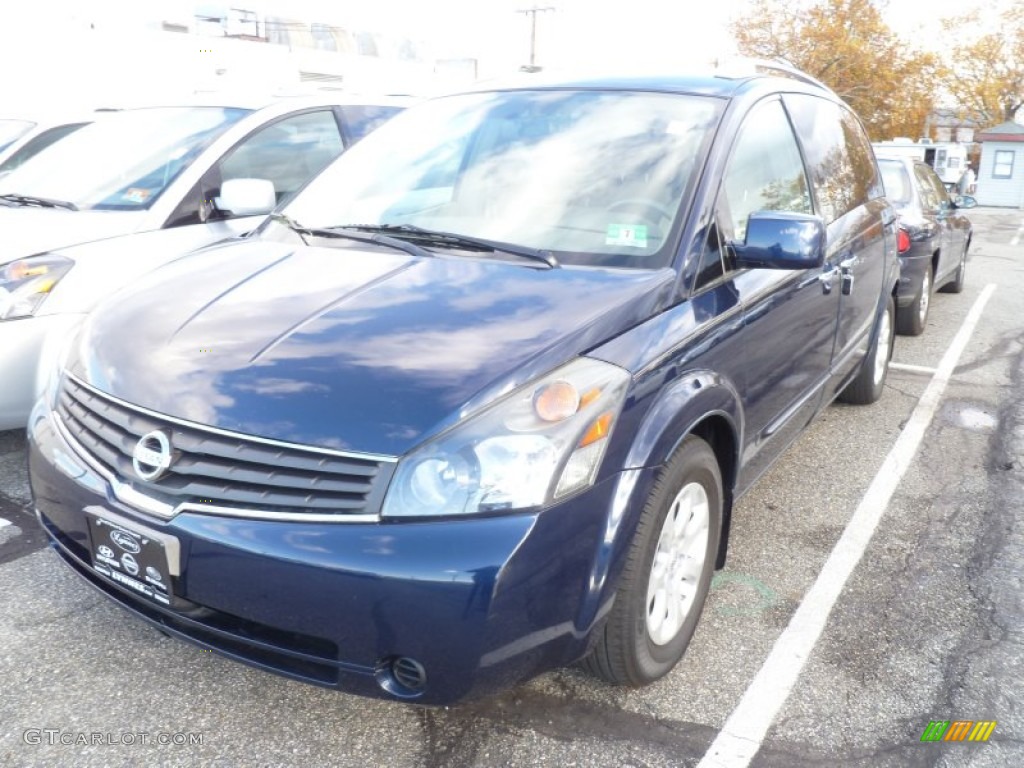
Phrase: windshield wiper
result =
(351, 234)
(42, 202)
(455, 240)
(291, 223)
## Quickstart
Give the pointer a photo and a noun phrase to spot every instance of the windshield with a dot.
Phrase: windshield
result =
(896, 181)
(596, 177)
(11, 130)
(123, 161)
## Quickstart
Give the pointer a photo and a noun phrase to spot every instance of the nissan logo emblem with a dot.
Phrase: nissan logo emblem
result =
(152, 455)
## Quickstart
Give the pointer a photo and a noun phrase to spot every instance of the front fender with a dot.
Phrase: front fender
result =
(679, 407)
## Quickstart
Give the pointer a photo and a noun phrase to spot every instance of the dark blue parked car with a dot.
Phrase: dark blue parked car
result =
(479, 401)
(932, 239)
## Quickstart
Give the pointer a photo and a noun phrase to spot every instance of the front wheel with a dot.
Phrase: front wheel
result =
(667, 573)
(869, 382)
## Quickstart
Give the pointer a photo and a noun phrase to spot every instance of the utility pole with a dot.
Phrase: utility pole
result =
(532, 12)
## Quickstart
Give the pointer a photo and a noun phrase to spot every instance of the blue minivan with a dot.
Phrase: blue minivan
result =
(478, 402)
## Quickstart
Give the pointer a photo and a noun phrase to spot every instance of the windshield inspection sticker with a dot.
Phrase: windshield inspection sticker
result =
(136, 195)
(633, 235)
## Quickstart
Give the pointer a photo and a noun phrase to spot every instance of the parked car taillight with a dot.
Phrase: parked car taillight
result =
(902, 241)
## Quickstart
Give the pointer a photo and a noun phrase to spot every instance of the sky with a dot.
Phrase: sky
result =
(38, 39)
(592, 32)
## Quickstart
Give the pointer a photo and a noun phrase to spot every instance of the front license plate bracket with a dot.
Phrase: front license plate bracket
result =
(135, 557)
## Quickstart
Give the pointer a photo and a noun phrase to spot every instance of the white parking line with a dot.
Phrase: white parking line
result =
(745, 729)
(1016, 237)
(908, 368)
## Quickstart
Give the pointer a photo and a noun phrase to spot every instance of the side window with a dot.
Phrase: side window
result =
(839, 157)
(865, 170)
(930, 199)
(764, 173)
(288, 152)
(940, 189)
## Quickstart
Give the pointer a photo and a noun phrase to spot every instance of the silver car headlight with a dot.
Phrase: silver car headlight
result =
(25, 283)
(538, 444)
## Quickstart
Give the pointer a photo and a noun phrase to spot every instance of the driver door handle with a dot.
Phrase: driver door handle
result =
(827, 278)
(846, 266)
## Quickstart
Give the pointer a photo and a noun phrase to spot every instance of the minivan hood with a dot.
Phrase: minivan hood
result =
(353, 348)
(28, 230)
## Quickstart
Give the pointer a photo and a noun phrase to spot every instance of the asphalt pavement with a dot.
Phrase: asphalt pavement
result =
(929, 626)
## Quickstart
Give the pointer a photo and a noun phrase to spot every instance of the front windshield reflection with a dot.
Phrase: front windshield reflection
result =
(598, 177)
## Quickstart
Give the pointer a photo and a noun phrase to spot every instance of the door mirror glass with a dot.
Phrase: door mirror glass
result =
(777, 240)
(246, 197)
(964, 201)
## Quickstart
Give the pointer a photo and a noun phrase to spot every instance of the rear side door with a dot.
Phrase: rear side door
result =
(951, 239)
(789, 316)
(848, 194)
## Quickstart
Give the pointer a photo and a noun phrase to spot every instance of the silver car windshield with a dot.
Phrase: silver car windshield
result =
(596, 177)
(12, 130)
(123, 161)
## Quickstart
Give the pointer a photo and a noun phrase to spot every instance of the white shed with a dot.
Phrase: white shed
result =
(1001, 170)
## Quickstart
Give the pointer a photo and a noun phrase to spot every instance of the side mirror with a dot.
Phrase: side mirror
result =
(777, 240)
(247, 197)
(964, 201)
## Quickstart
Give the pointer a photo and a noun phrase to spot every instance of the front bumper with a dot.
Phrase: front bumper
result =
(480, 603)
(28, 346)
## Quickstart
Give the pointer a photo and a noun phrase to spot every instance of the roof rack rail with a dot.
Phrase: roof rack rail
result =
(779, 67)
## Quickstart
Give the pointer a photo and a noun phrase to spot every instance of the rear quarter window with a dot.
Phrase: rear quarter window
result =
(839, 156)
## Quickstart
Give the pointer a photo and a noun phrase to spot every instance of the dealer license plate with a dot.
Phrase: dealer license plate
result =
(131, 558)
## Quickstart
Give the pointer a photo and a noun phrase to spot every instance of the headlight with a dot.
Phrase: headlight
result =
(25, 283)
(542, 442)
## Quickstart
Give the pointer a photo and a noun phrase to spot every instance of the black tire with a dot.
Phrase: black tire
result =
(956, 285)
(868, 384)
(911, 320)
(626, 652)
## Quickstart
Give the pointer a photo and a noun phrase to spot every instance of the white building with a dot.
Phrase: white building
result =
(1001, 171)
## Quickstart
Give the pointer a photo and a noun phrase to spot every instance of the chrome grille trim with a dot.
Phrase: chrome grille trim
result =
(240, 475)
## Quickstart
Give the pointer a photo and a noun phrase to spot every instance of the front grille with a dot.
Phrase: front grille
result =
(221, 469)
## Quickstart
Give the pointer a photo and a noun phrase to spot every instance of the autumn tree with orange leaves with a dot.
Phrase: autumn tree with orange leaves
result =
(848, 46)
(987, 76)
